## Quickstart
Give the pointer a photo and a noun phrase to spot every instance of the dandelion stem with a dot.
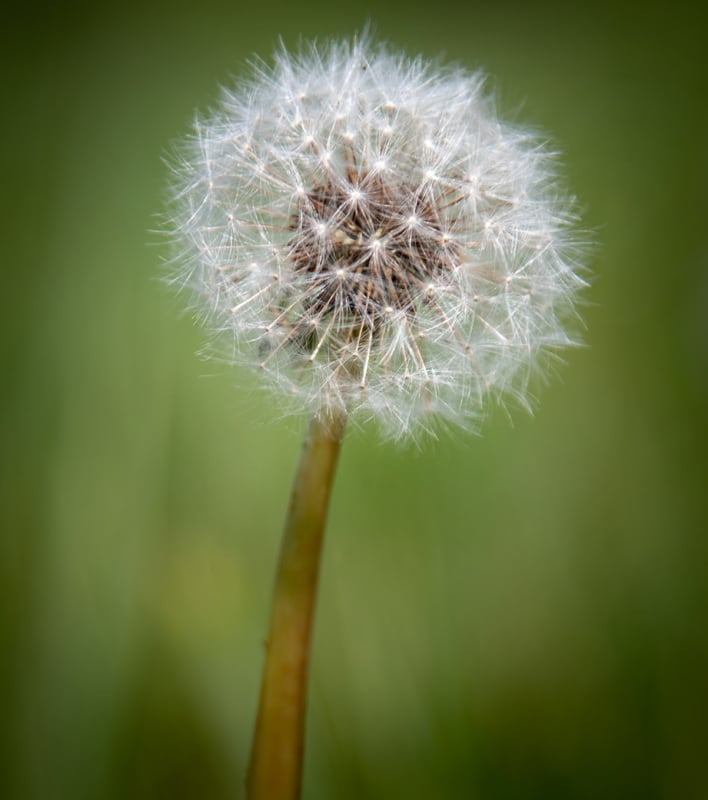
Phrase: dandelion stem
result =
(275, 768)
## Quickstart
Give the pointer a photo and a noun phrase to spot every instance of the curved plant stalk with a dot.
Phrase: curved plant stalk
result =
(275, 767)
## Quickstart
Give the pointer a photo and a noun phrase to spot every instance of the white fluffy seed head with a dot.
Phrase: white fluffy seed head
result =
(374, 238)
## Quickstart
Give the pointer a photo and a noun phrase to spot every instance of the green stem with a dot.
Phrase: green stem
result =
(275, 767)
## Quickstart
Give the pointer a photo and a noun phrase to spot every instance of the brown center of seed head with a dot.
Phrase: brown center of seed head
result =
(370, 248)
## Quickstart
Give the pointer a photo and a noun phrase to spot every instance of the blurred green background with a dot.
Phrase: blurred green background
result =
(517, 615)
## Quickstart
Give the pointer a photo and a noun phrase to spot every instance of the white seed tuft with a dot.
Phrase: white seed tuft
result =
(374, 238)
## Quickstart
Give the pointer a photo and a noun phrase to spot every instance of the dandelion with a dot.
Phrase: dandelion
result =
(366, 232)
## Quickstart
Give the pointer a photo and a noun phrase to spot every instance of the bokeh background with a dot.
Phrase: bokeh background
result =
(517, 615)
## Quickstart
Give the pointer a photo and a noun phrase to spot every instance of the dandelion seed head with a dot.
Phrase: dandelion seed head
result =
(375, 239)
